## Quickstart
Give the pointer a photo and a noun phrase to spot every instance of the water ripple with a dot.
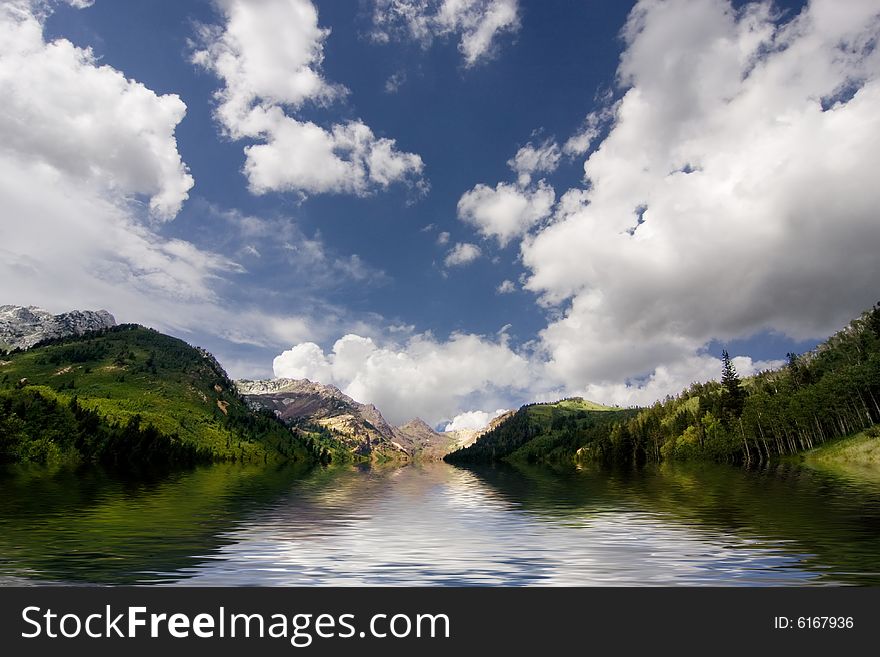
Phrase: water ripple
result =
(440, 525)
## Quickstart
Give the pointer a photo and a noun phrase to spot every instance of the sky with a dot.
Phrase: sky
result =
(448, 208)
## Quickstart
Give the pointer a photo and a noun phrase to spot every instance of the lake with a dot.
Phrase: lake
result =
(436, 524)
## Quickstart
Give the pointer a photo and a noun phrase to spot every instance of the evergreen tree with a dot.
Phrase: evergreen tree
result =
(732, 390)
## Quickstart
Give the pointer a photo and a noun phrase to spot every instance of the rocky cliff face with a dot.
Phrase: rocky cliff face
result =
(360, 427)
(22, 328)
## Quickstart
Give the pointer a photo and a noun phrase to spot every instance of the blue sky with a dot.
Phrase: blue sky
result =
(701, 111)
(465, 123)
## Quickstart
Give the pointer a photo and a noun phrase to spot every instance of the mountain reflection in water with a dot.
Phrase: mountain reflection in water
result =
(435, 524)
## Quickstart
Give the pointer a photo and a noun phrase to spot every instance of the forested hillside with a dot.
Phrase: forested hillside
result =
(830, 392)
(130, 396)
(543, 432)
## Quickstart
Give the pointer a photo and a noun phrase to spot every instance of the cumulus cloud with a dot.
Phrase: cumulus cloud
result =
(507, 211)
(268, 55)
(462, 254)
(531, 159)
(443, 238)
(510, 210)
(80, 144)
(304, 157)
(422, 378)
(732, 194)
(89, 176)
(477, 23)
(473, 420)
(85, 121)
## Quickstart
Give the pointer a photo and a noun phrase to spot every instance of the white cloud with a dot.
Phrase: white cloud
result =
(424, 377)
(531, 159)
(506, 287)
(443, 238)
(269, 56)
(73, 246)
(596, 121)
(473, 420)
(462, 254)
(268, 51)
(734, 193)
(571, 202)
(85, 121)
(507, 211)
(303, 361)
(80, 146)
(69, 240)
(477, 23)
(303, 157)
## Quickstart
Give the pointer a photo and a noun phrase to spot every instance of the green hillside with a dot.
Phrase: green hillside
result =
(543, 432)
(854, 458)
(860, 449)
(130, 395)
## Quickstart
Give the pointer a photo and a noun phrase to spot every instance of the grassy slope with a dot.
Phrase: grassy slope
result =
(543, 432)
(860, 448)
(133, 371)
(856, 458)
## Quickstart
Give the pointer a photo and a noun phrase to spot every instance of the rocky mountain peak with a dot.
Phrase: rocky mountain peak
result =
(21, 327)
(293, 386)
(417, 424)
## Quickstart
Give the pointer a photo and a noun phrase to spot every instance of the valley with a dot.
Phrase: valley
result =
(129, 456)
(123, 394)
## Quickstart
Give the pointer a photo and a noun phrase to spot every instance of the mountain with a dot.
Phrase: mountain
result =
(355, 428)
(419, 433)
(541, 432)
(129, 395)
(427, 444)
(347, 427)
(22, 328)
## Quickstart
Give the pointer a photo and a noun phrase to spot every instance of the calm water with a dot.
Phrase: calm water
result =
(440, 525)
